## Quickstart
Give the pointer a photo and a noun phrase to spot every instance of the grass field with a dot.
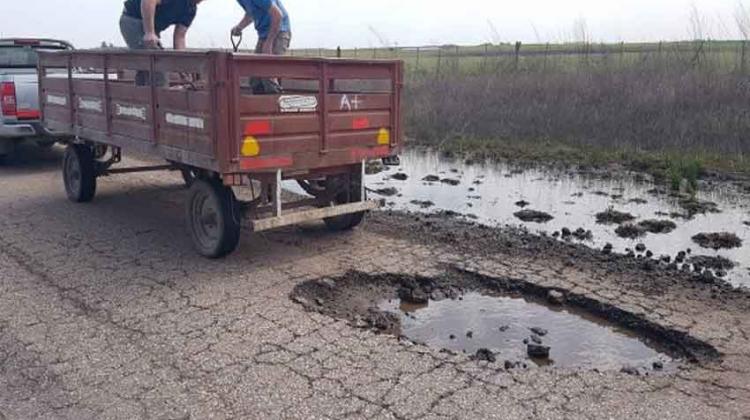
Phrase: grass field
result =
(647, 105)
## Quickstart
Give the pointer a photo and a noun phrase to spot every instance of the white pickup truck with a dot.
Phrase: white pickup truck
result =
(19, 93)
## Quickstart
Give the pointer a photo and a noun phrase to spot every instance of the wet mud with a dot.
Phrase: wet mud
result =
(533, 216)
(492, 319)
(718, 240)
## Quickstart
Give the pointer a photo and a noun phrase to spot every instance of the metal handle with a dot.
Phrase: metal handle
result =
(236, 45)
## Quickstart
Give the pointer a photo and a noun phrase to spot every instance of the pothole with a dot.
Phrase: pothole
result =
(505, 321)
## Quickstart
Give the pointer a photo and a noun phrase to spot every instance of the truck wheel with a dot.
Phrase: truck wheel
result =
(213, 217)
(78, 173)
(351, 193)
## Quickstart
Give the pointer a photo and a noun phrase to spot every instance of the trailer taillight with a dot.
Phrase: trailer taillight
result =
(8, 99)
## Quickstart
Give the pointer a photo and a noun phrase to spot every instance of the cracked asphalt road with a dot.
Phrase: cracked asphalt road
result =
(107, 313)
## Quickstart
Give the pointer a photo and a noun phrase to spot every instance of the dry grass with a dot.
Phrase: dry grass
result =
(666, 106)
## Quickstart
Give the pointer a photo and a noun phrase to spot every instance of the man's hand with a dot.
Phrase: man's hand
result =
(237, 30)
(151, 41)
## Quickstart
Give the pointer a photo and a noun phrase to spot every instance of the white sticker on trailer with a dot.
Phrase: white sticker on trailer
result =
(184, 120)
(298, 103)
(57, 100)
(130, 111)
(90, 104)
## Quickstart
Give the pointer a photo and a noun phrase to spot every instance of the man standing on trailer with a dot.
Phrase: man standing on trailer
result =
(271, 23)
(143, 21)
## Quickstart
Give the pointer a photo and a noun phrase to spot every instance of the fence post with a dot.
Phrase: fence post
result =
(440, 59)
(743, 63)
(338, 52)
(546, 56)
(518, 53)
(418, 50)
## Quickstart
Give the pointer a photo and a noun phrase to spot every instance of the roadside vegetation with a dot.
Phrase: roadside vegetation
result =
(673, 109)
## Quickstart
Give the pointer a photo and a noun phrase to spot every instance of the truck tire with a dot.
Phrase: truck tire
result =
(79, 175)
(350, 193)
(213, 217)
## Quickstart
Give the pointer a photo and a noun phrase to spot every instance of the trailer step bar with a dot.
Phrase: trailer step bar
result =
(314, 214)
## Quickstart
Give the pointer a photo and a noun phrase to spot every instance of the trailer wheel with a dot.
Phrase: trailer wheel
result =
(79, 175)
(349, 192)
(213, 217)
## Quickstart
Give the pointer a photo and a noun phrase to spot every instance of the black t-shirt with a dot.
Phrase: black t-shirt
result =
(168, 12)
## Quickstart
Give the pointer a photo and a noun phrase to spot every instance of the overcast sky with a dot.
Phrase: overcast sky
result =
(350, 23)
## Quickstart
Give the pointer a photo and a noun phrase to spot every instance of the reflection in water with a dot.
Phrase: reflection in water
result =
(490, 193)
(502, 324)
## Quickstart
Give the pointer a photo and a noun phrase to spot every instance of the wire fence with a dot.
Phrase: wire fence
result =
(723, 56)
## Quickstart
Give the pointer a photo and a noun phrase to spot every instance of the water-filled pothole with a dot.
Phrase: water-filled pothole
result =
(510, 327)
(507, 321)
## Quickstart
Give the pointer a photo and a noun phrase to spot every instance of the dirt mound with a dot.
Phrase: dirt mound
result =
(612, 216)
(629, 231)
(522, 204)
(423, 204)
(400, 176)
(658, 226)
(720, 240)
(714, 263)
(533, 216)
(386, 192)
(450, 181)
(431, 178)
(693, 206)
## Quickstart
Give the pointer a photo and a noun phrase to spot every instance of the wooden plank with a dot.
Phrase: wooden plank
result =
(88, 87)
(360, 102)
(56, 113)
(133, 129)
(89, 61)
(285, 145)
(129, 92)
(359, 120)
(278, 68)
(281, 125)
(129, 62)
(185, 100)
(56, 84)
(91, 121)
(347, 140)
(360, 71)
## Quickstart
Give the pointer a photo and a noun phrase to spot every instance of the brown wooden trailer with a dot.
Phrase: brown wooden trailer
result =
(211, 115)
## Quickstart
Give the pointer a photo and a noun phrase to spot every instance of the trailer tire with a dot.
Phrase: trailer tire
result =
(213, 217)
(351, 194)
(79, 175)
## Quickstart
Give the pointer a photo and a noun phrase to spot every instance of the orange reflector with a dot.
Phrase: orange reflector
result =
(250, 147)
(258, 128)
(384, 137)
(360, 123)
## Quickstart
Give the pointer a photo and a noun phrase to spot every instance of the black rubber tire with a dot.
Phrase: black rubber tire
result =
(79, 175)
(351, 193)
(213, 218)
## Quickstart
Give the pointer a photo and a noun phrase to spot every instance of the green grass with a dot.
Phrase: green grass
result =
(669, 167)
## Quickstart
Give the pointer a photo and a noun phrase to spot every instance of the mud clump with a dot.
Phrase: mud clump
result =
(746, 223)
(533, 216)
(386, 192)
(431, 178)
(522, 204)
(423, 204)
(374, 167)
(637, 201)
(716, 241)
(400, 176)
(694, 207)
(484, 355)
(629, 231)
(538, 351)
(658, 226)
(450, 181)
(613, 217)
(714, 263)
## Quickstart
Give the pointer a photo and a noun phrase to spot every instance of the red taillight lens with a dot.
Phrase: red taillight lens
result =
(8, 99)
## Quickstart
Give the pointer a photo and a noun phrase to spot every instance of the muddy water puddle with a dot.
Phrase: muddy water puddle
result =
(498, 194)
(506, 327)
